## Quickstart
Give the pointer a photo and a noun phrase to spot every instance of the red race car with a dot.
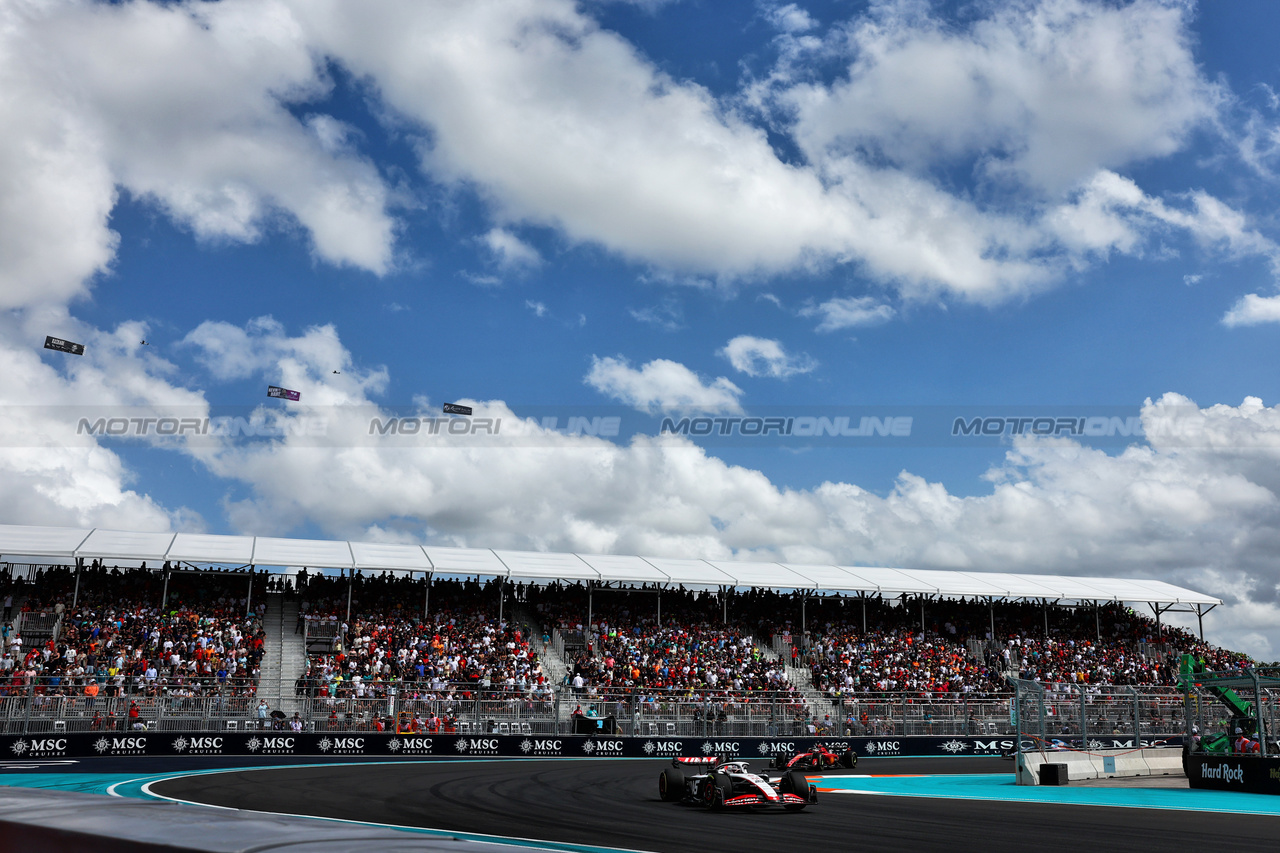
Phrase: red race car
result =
(818, 758)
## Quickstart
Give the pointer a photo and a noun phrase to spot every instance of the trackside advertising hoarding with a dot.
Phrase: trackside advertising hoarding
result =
(33, 747)
(1249, 773)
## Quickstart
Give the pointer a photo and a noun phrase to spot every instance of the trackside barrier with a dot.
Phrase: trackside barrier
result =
(457, 745)
(1250, 773)
(1102, 763)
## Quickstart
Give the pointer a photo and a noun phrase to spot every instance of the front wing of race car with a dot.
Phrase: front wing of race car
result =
(753, 799)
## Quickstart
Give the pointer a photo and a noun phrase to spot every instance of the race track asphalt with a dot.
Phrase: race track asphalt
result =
(615, 804)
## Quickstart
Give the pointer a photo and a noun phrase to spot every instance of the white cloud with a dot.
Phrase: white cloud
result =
(539, 309)
(662, 385)
(560, 123)
(51, 472)
(509, 251)
(849, 312)
(667, 314)
(1045, 92)
(305, 363)
(183, 105)
(789, 18)
(1252, 310)
(765, 357)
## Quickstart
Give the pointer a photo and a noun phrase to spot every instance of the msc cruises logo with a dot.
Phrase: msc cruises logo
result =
(955, 746)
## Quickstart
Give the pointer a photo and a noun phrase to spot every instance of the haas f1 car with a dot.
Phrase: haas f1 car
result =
(720, 783)
(819, 758)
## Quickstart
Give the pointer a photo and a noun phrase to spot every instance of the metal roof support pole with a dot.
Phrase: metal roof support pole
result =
(26, 720)
(502, 595)
(1137, 719)
(659, 607)
(863, 596)
(351, 580)
(1262, 718)
(804, 600)
(1045, 603)
(587, 633)
(75, 597)
(426, 595)
(1084, 720)
(922, 615)
(1200, 619)
(248, 600)
(724, 604)
(1097, 621)
(164, 594)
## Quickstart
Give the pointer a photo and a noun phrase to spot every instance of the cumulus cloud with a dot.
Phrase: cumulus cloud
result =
(509, 251)
(849, 312)
(50, 471)
(765, 357)
(200, 108)
(1045, 92)
(303, 363)
(1252, 310)
(662, 385)
(185, 105)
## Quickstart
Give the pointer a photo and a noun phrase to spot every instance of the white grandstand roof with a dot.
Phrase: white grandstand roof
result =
(60, 544)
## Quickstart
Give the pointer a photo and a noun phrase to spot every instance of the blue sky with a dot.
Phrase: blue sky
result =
(649, 210)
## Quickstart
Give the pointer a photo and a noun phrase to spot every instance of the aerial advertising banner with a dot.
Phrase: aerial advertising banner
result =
(50, 342)
(283, 393)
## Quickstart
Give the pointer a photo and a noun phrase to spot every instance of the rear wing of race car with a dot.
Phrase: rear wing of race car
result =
(677, 761)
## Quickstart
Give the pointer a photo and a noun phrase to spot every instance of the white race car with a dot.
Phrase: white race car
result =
(724, 783)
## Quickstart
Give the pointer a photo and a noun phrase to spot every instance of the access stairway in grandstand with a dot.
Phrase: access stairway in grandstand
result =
(798, 677)
(284, 658)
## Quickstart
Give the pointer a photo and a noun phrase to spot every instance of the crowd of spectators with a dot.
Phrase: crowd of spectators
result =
(108, 634)
(687, 656)
(946, 647)
(457, 650)
(443, 644)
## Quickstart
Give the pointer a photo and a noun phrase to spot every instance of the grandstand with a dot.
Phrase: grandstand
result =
(189, 632)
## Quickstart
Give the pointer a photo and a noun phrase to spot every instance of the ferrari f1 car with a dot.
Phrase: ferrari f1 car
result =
(722, 783)
(819, 758)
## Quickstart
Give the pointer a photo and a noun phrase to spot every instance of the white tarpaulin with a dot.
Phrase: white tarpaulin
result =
(65, 545)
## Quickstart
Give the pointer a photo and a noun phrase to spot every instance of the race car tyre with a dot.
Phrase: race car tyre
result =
(671, 785)
(796, 783)
(715, 792)
(849, 759)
